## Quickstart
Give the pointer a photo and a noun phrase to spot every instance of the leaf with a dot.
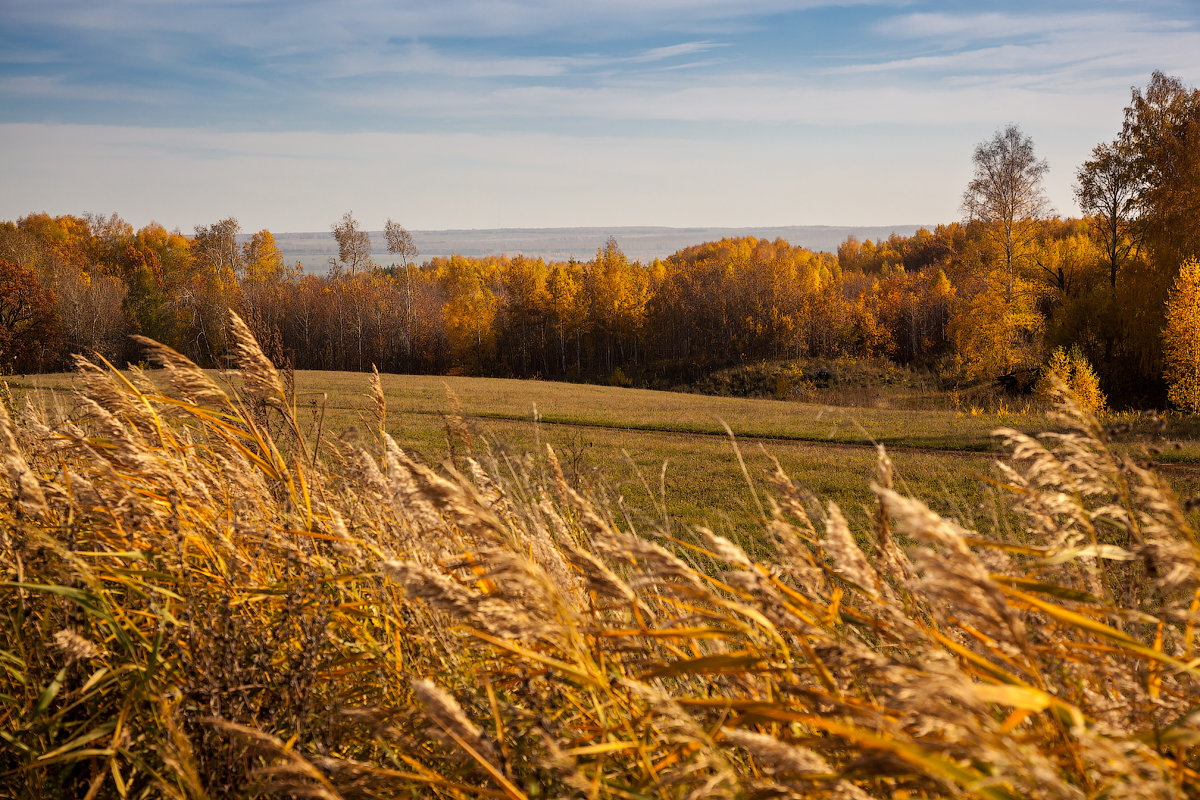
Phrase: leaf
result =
(48, 694)
(722, 662)
(86, 600)
(603, 747)
(1024, 697)
(933, 764)
(8, 737)
(76, 755)
(666, 633)
(1052, 589)
(79, 741)
(562, 666)
(14, 665)
(1129, 644)
(1109, 552)
(508, 787)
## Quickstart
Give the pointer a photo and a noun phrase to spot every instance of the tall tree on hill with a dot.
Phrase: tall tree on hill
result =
(1144, 189)
(1107, 192)
(1006, 194)
(1162, 132)
(354, 246)
(216, 250)
(400, 244)
(261, 258)
(218, 265)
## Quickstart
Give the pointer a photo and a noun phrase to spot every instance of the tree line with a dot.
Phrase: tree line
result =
(991, 295)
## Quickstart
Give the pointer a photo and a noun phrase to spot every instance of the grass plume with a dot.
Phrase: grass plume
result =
(194, 606)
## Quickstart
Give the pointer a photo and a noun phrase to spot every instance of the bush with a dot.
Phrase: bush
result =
(1072, 370)
(618, 378)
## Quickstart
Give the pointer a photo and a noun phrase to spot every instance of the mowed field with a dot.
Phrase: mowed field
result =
(667, 457)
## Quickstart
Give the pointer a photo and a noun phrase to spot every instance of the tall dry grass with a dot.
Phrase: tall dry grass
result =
(196, 604)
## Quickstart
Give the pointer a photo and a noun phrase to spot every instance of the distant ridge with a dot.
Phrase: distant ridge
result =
(559, 244)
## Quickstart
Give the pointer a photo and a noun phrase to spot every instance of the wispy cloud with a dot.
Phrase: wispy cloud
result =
(58, 87)
(275, 20)
(674, 51)
(1038, 48)
(990, 26)
(491, 94)
(425, 59)
(757, 102)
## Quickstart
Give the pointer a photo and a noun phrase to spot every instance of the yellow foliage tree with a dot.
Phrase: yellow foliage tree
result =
(1073, 369)
(469, 315)
(262, 260)
(1181, 339)
(981, 330)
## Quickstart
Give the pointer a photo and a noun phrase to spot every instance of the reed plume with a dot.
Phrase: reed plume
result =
(200, 602)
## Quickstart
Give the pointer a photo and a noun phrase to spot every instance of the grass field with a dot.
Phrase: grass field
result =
(343, 394)
(196, 601)
(619, 440)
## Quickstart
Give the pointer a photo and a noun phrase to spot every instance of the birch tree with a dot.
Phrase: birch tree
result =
(1006, 194)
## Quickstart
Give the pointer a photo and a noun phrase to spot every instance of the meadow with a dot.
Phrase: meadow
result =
(220, 590)
(666, 455)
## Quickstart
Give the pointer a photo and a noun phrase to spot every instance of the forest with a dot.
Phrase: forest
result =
(992, 296)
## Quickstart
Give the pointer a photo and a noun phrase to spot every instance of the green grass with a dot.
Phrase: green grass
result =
(641, 409)
(702, 485)
(620, 439)
(646, 410)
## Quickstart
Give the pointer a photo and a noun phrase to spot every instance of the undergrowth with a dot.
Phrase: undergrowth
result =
(198, 604)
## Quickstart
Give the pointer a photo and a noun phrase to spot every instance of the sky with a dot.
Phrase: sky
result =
(455, 114)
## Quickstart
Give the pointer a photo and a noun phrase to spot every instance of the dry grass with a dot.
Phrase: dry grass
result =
(197, 605)
(411, 396)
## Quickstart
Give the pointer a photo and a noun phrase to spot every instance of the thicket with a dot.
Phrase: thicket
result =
(202, 600)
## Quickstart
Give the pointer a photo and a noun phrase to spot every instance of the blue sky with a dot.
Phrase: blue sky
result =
(534, 113)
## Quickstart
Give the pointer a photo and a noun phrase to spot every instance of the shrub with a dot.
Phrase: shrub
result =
(1072, 369)
(619, 378)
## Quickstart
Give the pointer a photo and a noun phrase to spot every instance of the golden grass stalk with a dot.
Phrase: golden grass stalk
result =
(194, 604)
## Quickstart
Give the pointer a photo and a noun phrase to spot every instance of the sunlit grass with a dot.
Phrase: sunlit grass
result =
(207, 593)
(639, 409)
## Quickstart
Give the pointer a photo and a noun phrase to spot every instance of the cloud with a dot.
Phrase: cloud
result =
(743, 101)
(424, 59)
(500, 104)
(277, 20)
(1037, 45)
(990, 26)
(42, 87)
(673, 51)
(1054, 55)
(376, 64)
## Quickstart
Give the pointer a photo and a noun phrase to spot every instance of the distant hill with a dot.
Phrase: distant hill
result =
(559, 244)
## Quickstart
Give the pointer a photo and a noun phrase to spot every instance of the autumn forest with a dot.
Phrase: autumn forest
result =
(991, 296)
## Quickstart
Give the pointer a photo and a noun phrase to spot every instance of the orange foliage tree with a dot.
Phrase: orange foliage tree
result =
(29, 335)
(1181, 339)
